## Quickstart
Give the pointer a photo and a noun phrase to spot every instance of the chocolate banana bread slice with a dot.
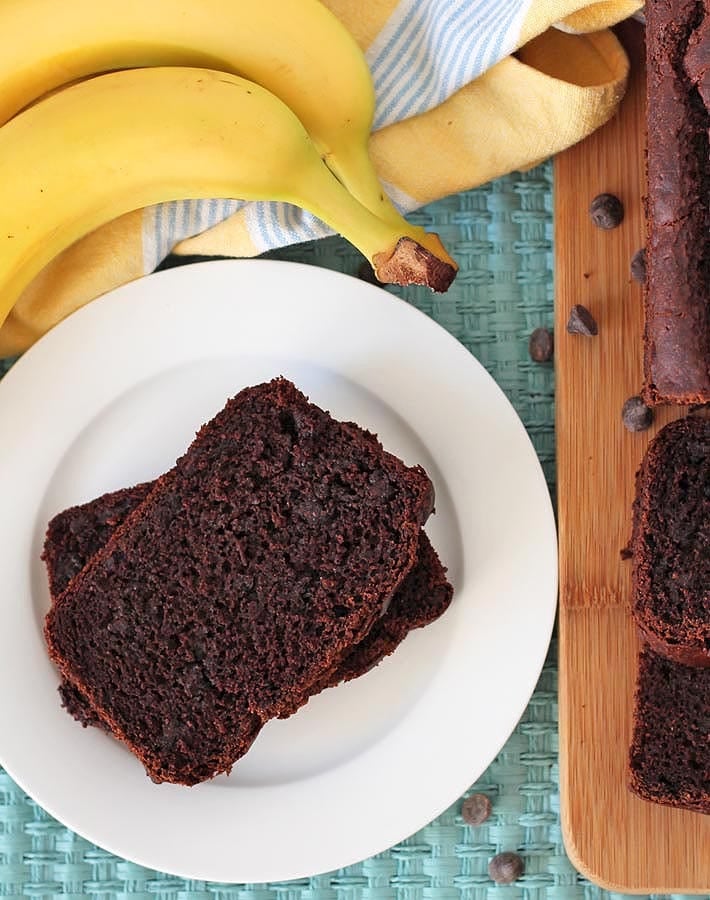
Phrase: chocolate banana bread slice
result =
(248, 573)
(76, 534)
(670, 542)
(669, 759)
(677, 292)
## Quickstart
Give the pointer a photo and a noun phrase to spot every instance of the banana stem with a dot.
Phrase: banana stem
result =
(397, 250)
(353, 167)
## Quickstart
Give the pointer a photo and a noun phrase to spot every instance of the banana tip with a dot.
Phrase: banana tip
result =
(410, 263)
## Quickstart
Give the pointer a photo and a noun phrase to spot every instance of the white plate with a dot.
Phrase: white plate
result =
(111, 397)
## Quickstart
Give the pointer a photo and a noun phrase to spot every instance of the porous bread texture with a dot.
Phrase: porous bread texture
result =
(77, 533)
(248, 573)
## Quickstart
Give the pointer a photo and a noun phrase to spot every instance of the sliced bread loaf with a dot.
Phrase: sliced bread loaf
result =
(245, 576)
(76, 534)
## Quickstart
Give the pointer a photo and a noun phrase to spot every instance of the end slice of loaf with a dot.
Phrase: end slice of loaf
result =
(248, 573)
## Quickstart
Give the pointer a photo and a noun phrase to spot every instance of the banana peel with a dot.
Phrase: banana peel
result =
(298, 50)
(133, 138)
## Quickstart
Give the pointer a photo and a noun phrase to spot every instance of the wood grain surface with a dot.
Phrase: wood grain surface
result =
(616, 840)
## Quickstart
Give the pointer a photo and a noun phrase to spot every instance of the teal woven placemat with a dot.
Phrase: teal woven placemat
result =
(501, 234)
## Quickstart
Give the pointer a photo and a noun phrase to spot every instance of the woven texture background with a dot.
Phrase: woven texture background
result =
(501, 235)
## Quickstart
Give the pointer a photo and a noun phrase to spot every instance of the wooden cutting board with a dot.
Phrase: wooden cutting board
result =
(616, 840)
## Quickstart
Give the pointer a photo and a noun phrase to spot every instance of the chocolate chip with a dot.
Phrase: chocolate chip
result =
(366, 273)
(541, 345)
(476, 809)
(638, 266)
(581, 321)
(379, 487)
(635, 415)
(626, 553)
(607, 211)
(505, 868)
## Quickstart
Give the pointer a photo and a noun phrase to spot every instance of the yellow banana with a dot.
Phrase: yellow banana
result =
(133, 138)
(297, 49)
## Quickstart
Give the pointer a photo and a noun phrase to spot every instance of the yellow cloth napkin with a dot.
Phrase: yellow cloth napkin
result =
(535, 77)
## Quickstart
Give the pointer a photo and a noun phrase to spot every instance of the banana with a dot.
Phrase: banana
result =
(129, 139)
(297, 49)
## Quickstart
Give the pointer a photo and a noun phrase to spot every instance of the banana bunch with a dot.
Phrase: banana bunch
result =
(107, 107)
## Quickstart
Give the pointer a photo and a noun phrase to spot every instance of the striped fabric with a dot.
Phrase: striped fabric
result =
(166, 224)
(427, 50)
(277, 224)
